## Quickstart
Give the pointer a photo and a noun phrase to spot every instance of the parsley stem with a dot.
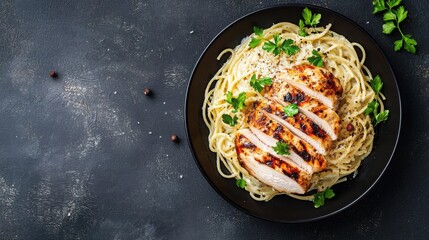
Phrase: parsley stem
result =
(397, 24)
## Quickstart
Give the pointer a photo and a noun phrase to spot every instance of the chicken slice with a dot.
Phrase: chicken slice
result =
(316, 82)
(299, 124)
(326, 118)
(266, 143)
(269, 169)
(266, 128)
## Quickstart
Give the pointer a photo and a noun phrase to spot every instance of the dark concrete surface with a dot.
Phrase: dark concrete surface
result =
(88, 156)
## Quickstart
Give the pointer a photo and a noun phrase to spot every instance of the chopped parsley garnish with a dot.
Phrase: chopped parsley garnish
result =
(310, 19)
(301, 31)
(237, 103)
(241, 183)
(315, 59)
(372, 108)
(259, 84)
(381, 117)
(232, 121)
(254, 42)
(291, 110)
(393, 15)
(319, 198)
(376, 84)
(281, 148)
(278, 46)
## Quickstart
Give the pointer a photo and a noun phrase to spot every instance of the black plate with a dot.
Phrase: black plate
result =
(283, 208)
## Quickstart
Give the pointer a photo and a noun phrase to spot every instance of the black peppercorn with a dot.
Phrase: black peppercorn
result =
(147, 91)
(174, 138)
(53, 74)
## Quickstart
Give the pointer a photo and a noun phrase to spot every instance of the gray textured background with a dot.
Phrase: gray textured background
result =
(88, 156)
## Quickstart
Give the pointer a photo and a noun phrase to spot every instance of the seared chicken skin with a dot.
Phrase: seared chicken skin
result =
(299, 124)
(319, 113)
(269, 169)
(316, 82)
(306, 155)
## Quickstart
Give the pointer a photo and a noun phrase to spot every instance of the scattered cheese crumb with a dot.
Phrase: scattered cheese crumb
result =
(355, 173)
(150, 133)
(115, 92)
(191, 32)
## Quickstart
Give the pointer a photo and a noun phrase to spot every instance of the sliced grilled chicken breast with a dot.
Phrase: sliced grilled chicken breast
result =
(264, 128)
(326, 118)
(266, 143)
(299, 124)
(317, 82)
(269, 169)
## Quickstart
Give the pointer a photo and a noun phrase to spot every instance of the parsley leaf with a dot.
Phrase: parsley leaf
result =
(258, 31)
(401, 14)
(278, 46)
(393, 16)
(258, 84)
(291, 110)
(393, 3)
(315, 59)
(376, 84)
(388, 27)
(237, 103)
(289, 47)
(379, 6)
(232, 121)
(281, 148)
(315, 19)
(270, 46)
(310, 19)
(301, 31)
(319, 198)
(329, 193)
(241, 183)
(254, 42)
(306, 14)
(381, 117)
(397, 45)
(389, 16)
(410, 44)
(372, 107)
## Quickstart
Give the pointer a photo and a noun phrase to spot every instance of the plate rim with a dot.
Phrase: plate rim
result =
(188, 137)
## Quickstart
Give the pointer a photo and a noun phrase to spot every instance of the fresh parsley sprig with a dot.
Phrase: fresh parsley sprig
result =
(393, 15)
(231, 121)
(237, 103)
(255, 41)
(316, 59)
(288, 46)
(259, 84)
(310, 19)
(281, 148)
(372, 108)
(291, 110)
(319, 198)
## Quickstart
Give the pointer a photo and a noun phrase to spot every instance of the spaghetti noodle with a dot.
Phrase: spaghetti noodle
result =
(340, 58)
